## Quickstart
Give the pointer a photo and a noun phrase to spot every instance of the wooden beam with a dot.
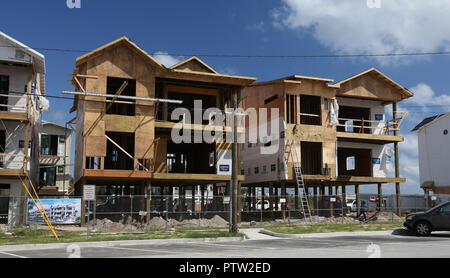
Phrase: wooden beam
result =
(192, 90)
(125, 152)
(148, 189)
(14, 116)
(330, 195)
(358, 205)
(194, 177)
(380, 196)
(363, 137)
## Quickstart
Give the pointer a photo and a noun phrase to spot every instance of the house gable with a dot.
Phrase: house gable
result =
(194, 64)
(372, 84)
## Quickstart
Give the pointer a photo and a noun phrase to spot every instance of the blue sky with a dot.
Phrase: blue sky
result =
(254, 27)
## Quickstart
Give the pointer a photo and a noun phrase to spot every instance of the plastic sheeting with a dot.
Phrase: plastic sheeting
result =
(334, 112)
(44, 104)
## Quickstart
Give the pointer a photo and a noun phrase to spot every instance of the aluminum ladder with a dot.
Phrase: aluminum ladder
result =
(303, 194)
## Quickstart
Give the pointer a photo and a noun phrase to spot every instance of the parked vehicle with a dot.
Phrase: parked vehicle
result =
(259, 205)
(351, 205)
(435, 219)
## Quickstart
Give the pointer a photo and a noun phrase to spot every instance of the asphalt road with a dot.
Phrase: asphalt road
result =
(354, 246)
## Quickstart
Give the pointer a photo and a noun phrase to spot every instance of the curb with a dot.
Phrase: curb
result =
(27, 247)
(323, 235)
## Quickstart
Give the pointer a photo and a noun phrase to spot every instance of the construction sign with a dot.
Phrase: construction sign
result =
(59, 211)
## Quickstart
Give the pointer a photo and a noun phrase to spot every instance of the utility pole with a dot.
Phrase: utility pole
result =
(397, 166)
(235, 166)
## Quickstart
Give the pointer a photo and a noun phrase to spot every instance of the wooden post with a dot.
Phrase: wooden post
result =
(344, 201)
(215, 196)
(181, 199)
(236, 163)
(148, 189)
(283, 196)
(276, 197)
(330, 195)
(254, 197)
(321, 199)
(358, 205)
(83, 205)
(397, 166)
(165, 113)
(296, 198)
(380, 197)
(202, 206)
(193, 198)
(271, 197)
(262, 196)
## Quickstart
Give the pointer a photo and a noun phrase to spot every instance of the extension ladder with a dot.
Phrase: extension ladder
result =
(297, 170)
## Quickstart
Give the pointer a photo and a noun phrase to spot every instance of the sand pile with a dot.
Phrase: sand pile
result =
(386, 216)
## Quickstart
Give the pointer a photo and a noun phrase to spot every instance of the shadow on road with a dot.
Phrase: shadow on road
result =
(408, 233)
(403, 232)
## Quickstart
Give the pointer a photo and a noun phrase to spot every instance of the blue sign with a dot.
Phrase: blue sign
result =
(376, 160)
(224, 168)
(379, 117)
(388, 158)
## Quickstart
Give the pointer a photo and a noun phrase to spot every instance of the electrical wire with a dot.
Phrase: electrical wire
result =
(408, 107)
(256, 56)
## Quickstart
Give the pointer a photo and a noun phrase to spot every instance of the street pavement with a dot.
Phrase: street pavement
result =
(397, 244)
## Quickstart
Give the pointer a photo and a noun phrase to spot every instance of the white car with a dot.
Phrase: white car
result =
(351, 205)
(266, 204)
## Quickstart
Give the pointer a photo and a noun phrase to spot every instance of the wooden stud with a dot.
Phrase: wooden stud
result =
(380, 197)
(284, 196)
(330, 195)
(358, 205)
(149, 196)
(344, 201)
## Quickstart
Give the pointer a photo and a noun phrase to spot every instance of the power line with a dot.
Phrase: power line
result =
(259, 56)
(192, 109)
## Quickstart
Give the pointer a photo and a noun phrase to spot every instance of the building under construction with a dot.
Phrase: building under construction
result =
(22, 87)
(123, 139)
(331, 136)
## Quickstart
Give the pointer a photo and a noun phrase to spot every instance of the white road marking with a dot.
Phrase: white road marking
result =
(13, 255)
(142, 250)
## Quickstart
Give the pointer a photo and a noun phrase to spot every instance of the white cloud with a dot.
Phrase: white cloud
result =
(409, 166)
(424, 96)
(256, 27)
(349, 26)
(56, 116)
(410, 145)
(166, 59)
(228, 70)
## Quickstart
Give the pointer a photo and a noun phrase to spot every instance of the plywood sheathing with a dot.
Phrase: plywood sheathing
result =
(372, 84)
(194, 64)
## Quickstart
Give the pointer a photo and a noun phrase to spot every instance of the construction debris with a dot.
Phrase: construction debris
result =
(129, 224)
(385, 216)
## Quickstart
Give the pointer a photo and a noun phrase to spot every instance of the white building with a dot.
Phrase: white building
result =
(22, 86)
(434, 153)
(56, 141)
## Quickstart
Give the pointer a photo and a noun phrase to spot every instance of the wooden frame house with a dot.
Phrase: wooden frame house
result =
(126, 144)
(351, 151)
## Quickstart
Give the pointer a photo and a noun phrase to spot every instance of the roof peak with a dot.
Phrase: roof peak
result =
(196, 59)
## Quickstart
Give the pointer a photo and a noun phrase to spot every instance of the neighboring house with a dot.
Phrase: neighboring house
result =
(341, 133)
(55, 158)
(434, 153)
(22, 86)
(125, 145)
